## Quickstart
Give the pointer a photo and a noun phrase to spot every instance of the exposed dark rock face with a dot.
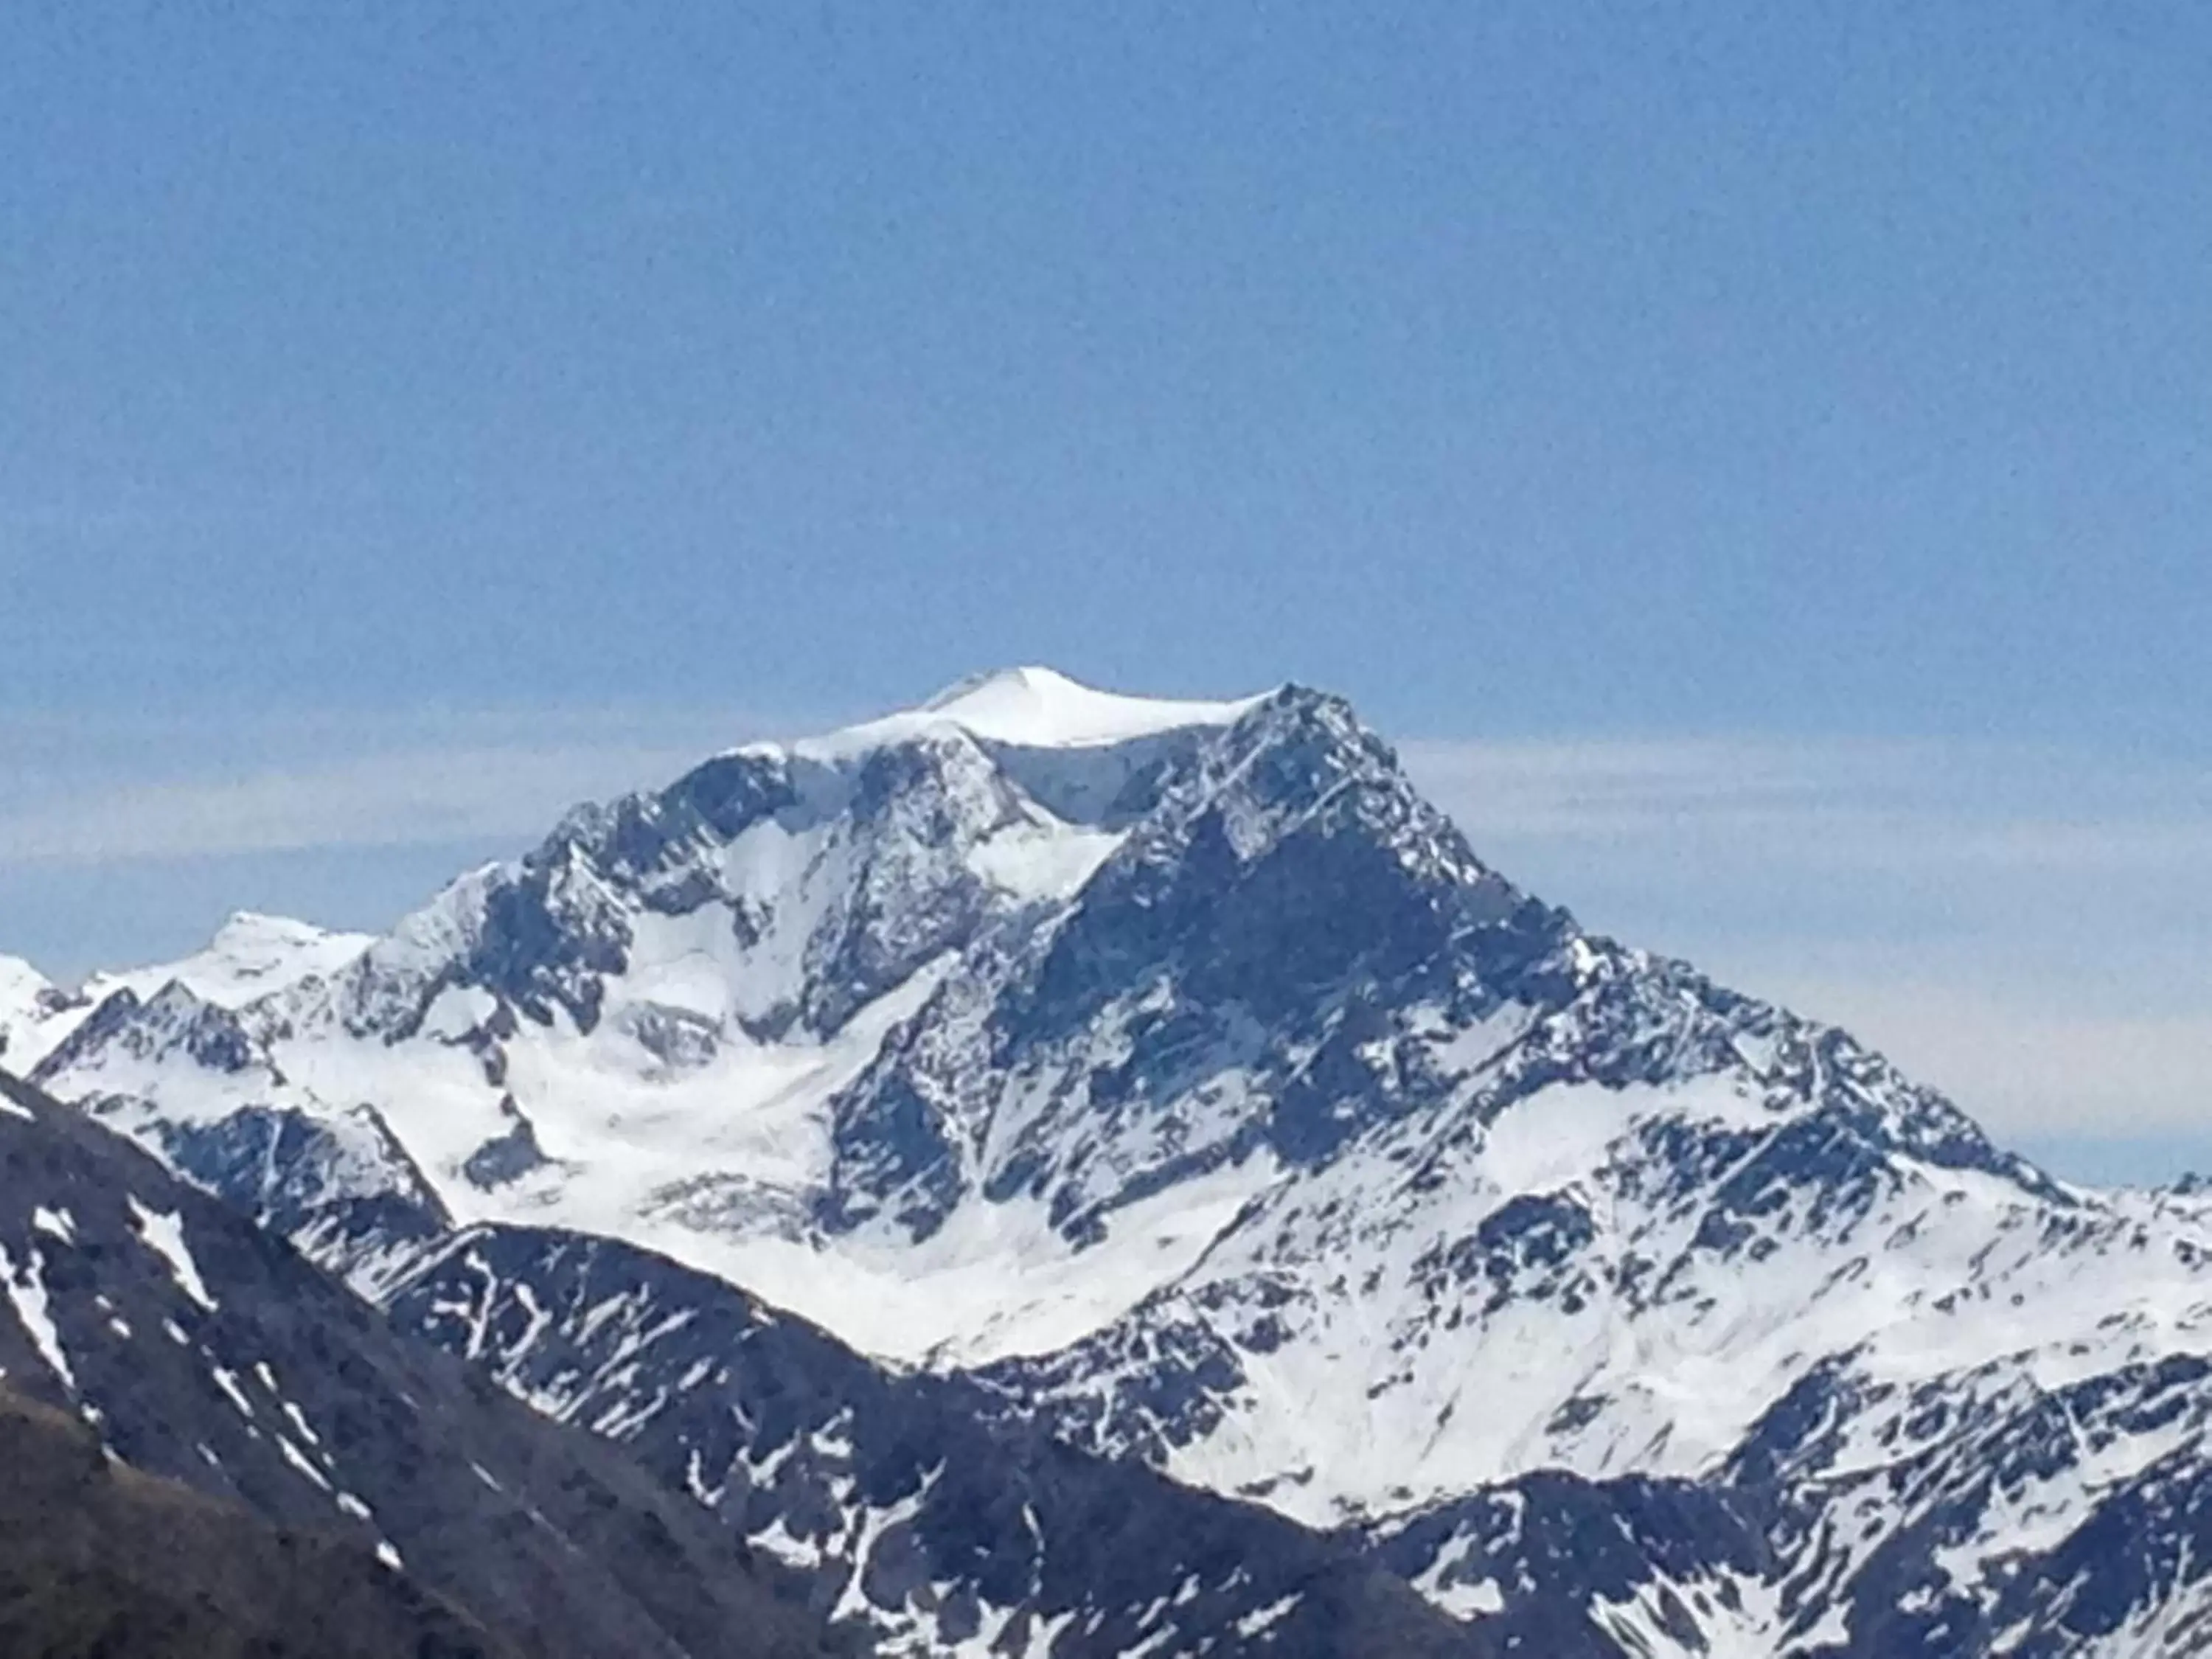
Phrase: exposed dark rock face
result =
(205, 1351)
(919, 1519)
(96, 1558)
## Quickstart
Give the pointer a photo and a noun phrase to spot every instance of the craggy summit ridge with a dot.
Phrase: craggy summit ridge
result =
(1180, 1074)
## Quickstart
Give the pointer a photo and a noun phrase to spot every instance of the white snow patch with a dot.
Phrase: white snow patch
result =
(777, 1540)
(1264, 1618)
(1043, 861)
(166, 1235)
(299, 1461)
(1465, 1599)
(26, 1289)
(300, 1422)
(227, 1380)
(853, 1598)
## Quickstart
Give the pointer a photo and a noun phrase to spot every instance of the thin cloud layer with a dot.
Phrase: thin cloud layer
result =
(100, 792)
(2026, 930)
(1835, 802)
(374, 800)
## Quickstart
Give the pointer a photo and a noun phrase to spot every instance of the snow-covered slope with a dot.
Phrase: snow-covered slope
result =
(1180, 1074)
(34, 1014)
(639, 1028)
(250, 956)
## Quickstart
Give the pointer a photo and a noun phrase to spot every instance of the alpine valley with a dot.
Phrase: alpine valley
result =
(1062, 1174)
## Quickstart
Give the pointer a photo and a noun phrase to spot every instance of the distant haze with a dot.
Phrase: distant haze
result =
(1757, 457)
(1948, 903)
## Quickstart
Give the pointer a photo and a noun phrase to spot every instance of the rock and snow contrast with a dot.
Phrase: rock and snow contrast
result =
(197, 1357)
(1170, 1083)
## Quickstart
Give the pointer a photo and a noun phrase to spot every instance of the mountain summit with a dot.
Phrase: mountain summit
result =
(1041, 708)
(1178, 1074)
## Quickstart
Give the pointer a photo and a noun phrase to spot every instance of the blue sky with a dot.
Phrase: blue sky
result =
(1764, 454)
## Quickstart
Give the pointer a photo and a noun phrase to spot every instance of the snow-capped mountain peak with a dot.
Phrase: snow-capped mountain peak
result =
(250, 956)
(1180, 1073)
(1032, 707)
